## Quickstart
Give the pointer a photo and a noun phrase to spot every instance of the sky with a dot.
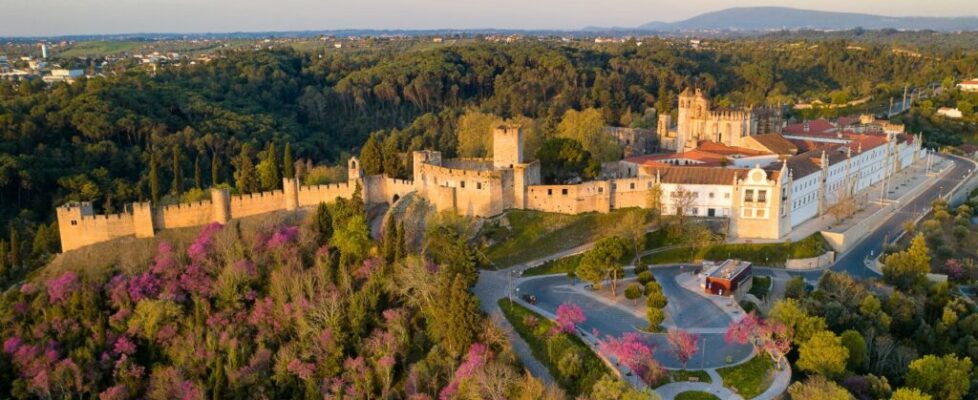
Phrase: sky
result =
(64, 17)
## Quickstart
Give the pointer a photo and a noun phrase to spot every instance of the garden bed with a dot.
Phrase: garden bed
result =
(749, 379)
(552, 352)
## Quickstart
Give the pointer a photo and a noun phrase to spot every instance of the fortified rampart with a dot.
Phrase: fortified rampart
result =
(79, 226)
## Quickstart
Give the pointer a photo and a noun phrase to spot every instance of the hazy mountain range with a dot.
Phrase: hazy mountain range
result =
(777, 18)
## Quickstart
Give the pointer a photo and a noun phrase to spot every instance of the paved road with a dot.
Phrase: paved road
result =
(692, 311)
(494, 285)
(853, 262)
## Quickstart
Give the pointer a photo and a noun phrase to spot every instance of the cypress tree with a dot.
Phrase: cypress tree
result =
(400, 249)
(40, 247)
(177, 173)
(268, 169)
(215, 170)
(245, 177)
(371, 156)
(323, 222)
(3, 260)
(198, 174)
(154, 180)
(14, 247)
(390, 239)
(288, 166)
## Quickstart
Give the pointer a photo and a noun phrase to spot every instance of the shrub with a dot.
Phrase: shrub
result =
(633, 291)
(645, 277)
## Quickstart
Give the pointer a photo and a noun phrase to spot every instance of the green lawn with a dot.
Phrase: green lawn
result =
(765, 254)
(534, 234)
(684, 375)
(750, 378)
(591, 368)
(696, 395)
(760, 287)
(558, 266)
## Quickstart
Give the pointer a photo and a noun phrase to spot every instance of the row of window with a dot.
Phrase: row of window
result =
(761, 196)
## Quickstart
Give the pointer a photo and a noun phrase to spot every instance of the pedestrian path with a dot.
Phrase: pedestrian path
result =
(778, 386)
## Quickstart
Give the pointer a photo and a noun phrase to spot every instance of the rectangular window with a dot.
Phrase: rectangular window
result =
(478, 185)
(749, 195)
(563, 192)
(712, 195)
(711, 212)
(696, 211)
(726, 195)
(762, 196)
(462, 183)
(760, 213)
(550, 192)
(631, 185)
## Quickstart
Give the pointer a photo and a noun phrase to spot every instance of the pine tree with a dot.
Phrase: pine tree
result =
(154, 180)
(215, 170)
(14, 247)
(177, 173)
(288, 165)
(198, 174)
(392, 157)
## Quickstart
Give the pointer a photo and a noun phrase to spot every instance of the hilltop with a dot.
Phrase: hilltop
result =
(777, 18)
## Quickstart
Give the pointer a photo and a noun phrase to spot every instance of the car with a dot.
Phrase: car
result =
(529, 298)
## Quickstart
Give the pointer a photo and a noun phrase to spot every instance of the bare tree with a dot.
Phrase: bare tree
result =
(655, 201)
(683, 201)
(845, 203)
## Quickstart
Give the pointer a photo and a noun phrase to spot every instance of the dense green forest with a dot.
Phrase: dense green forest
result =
(140, 134)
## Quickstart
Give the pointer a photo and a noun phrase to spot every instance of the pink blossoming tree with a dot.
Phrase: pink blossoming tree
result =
(766, 336)
(684, 345)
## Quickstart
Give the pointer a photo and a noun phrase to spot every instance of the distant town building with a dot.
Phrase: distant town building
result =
(63, 75)
(970, 85)
(44, 51)
(729, 278)
(949, 112)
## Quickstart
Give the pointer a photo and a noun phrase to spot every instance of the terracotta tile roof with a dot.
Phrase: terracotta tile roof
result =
(702, 175)
(800, 166)
(969, 82)
(813, 126)
(663, 158)
(722, 149)
(776, 143)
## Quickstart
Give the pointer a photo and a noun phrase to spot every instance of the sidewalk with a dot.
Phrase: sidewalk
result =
(729, 306)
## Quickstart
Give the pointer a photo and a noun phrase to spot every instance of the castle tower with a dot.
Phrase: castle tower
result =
(221, 201)
(69, 224)
(507, 146)
(142, 220)
(354, 170)
(290, 188)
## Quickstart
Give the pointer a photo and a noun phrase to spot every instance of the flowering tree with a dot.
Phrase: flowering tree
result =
(61, 287)
(684, 344)
(767, 336)
(569, 315)
(634, 353)
(476, 358)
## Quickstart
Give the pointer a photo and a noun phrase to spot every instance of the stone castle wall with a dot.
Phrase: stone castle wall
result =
(184, 215)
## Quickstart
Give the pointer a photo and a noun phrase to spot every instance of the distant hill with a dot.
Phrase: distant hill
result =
(775, 18)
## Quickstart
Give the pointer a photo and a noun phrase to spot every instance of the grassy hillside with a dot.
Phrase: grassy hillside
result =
(522, 235)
